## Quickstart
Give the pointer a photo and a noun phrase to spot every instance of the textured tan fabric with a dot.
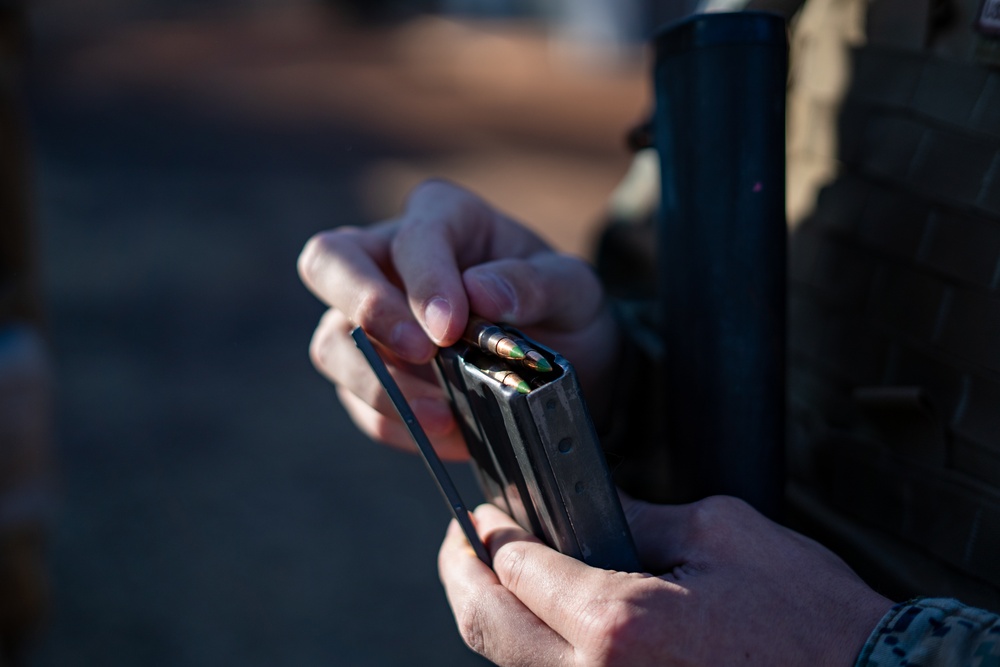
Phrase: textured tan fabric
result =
(824, 32)
(895, 300)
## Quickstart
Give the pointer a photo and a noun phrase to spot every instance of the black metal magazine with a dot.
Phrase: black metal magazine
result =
(538, 457)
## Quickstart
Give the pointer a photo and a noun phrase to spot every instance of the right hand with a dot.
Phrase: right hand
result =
(411, 283)
(731, 587)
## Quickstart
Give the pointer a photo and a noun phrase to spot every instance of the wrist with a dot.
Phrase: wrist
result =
(864, 618)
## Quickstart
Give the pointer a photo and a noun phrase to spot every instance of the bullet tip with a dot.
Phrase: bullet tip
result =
(516, 352)
(523, 387)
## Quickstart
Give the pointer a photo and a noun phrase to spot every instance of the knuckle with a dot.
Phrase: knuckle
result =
(715, 516)
(532, 297)
(445, 199)
(614, 628)
(405, 236)
(432, 188)
(332, 242)
(324, 339)
(370, 307)
(728, 506)
(469, 619)
(317, 349)
(311, 252)
(509, 563)
(307, 258)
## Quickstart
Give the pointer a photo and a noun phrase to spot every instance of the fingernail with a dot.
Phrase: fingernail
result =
(500, 292)
(410, 342)
(437, 317)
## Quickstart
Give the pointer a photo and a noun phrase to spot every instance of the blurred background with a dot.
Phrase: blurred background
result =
(212, 503)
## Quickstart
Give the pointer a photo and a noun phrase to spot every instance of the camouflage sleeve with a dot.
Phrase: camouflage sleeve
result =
(933, 631)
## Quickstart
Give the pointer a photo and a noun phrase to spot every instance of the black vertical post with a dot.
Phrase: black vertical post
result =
(720, 132)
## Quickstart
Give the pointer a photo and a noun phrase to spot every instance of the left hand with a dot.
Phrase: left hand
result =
(735, 588)
(412, 282)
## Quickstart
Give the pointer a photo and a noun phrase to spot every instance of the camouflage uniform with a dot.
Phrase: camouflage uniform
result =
(933, 631)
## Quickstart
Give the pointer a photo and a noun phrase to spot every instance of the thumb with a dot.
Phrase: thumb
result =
(558, 300)
(551, 290)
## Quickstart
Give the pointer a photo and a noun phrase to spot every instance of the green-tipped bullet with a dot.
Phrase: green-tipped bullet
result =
(533, 359)
(542, 364)
(505, 376)
(491, 339)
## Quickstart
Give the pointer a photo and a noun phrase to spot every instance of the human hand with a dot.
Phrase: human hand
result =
(734, 588)
(411, 283)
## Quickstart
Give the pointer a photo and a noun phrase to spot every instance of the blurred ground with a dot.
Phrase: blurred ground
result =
(536, 128)
(217, 506)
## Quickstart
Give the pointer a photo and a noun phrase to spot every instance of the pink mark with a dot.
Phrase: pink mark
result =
(758, 186)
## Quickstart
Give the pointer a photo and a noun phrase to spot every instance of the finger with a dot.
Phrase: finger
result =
(448, 444)
(335, 355)
(496, 527)
(558, 299)
(491, 620)
(349, 269)
(444, 230)
(548, 289)
(572, 598)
